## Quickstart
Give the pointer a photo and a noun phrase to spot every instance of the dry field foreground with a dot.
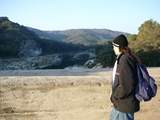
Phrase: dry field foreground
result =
(75, 96)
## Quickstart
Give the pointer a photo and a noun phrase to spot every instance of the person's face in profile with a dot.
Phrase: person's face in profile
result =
(116, 50)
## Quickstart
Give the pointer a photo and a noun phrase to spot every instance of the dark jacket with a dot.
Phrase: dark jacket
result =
(123, 88)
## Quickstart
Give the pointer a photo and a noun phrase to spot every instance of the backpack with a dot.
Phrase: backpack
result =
(146, 87)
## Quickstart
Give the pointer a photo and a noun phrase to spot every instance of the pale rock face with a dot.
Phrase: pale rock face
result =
(84, 53)
(30, 63)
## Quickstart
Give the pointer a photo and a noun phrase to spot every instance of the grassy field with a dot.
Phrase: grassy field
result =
(84, 97)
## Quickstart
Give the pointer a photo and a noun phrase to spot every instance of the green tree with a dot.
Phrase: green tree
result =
(132, 37)
(149, 35)
(147, 43)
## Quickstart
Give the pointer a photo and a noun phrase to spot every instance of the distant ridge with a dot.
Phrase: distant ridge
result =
(79, 36)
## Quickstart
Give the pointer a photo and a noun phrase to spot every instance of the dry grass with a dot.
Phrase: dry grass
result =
(23, 98)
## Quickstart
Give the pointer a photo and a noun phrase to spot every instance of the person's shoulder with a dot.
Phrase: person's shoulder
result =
(126, 57)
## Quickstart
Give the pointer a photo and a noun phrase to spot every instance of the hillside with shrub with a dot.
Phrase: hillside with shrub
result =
(17, 41)
(145, 44)
(76, 46)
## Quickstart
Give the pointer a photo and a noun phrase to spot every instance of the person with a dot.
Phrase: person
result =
(124, 81)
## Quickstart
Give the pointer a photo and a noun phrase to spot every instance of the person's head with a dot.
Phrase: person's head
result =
(120, 44)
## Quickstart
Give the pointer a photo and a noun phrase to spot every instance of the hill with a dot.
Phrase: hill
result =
(72, 47)
(21, 48)
(14, 38)
(79, 36)
(17, 41)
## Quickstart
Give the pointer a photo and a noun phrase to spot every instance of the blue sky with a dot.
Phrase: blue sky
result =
(119, 15)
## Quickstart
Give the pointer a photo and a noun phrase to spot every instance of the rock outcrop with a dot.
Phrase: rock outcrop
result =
(30, 63)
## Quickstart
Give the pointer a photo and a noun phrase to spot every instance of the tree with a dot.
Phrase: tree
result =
(147, 43)
(149, 35)
(132, 37)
